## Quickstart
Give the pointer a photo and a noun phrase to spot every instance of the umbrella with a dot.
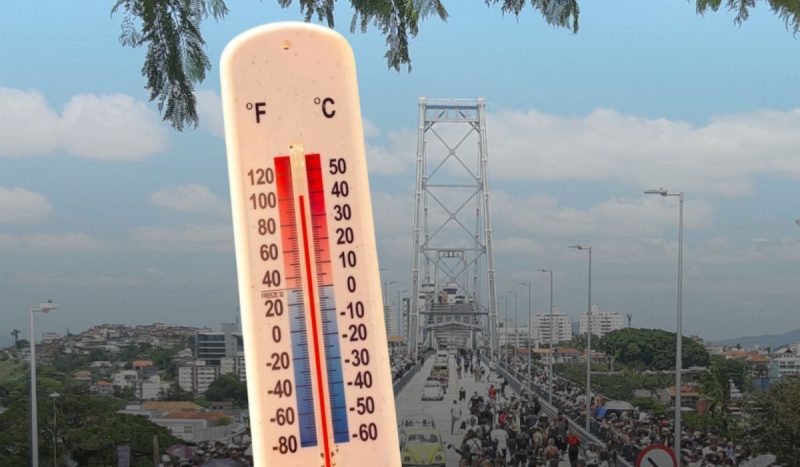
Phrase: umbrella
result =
(761, 461)
(222, 463)
(181, 451)
(618, 405)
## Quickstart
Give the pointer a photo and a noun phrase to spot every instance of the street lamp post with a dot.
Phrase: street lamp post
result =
(530, 316)
(505, 328)
(679, 327)
(42, 308)
(588, 338)
(54, 396)
(516, 322)
(552, 340)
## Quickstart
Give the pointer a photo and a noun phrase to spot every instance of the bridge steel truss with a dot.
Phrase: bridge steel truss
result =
(447, 249)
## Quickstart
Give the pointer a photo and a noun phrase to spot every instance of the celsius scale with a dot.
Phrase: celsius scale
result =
(318, 371)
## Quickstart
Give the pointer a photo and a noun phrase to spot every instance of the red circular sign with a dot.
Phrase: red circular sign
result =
(656, 455)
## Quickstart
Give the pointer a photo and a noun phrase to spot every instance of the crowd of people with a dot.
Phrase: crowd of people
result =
(501, 428)
(400, 361)
(627, 433)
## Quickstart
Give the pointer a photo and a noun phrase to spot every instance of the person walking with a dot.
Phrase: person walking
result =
(592, 456)
(573, 445)
(455, 416)
(500, 437)
(551, 454)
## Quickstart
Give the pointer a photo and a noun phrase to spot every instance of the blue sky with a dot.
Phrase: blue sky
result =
(109, 212)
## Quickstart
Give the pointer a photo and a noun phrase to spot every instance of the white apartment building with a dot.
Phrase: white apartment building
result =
(390, 316)
(125, 378)
(603, 322)
(233, 365)
(198, 376)
(516, 335)
(786, 362)
(151, 388)
(559, 325)
(50, 336)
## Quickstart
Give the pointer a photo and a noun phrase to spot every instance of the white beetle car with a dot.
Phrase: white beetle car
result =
(433, 391)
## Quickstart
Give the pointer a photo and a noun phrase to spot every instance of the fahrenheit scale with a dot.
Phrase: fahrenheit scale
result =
(318, 373)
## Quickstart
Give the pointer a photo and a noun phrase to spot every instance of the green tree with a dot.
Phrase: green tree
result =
(579, 342)
(715, 385)
(652, 349)
(88, 430)
(176, 60)
(228, 388)
(175, 393)
(774, 426)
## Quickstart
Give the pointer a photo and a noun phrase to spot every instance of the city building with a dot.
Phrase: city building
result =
(103, 387)
(233, 365)
(785, 362)
(83, 376)
(560, 325)
(125, 379)
(390, 317)
(141, 364)
(213, 346)
(151, 388)
(190, 422)
(603, 322)
(50, 336)
(198, 376)
(524, 340)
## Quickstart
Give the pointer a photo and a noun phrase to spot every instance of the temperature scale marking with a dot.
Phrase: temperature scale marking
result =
(296, 303)
(324, 272)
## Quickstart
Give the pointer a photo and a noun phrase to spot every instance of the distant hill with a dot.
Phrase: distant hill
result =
(770, 340)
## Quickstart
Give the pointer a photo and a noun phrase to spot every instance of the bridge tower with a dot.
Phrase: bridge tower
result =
(453, 301)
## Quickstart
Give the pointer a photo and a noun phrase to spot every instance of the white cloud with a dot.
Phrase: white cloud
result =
(209, 111)
(27, 124)
(185, 238)
(396, 154)
(108, 127)
(145, 277)
(74, 242)
(20, 206)
(643, 217)
(721, 157)
(189, 198)
(764, 252)
(371, 130)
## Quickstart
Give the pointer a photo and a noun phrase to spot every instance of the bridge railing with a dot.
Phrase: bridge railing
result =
(518, 382)
(403, 381)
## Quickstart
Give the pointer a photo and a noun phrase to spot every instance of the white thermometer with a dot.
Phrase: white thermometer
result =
(318, 372)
